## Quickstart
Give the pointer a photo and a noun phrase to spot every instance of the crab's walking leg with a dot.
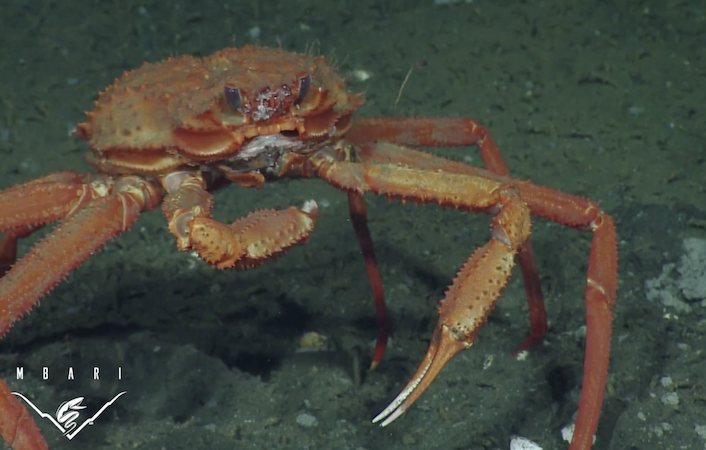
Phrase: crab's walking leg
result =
(359, 219)
(575, 212)
(248, 242)
(95, 213)
(297, 166)
(476, 288)
(601, 291)
(96, 209)
(28, 207)
(9, 242)
(450, 132)
(17, 428)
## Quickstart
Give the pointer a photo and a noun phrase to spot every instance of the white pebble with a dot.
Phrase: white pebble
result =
(521, 356)
(254, 32)
(670, 399)
(307, 420)
(520, 443)
(667, 382)
(700, 430)
(567, 433)
(361, 75)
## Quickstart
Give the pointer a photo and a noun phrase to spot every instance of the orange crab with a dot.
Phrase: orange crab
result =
(168, 133)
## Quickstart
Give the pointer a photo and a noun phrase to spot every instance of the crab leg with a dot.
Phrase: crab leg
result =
(53, 196)
(298, 166)
(248, 242)
(8, 245)
(359, 218)
(477, 286)
(96, 213)
(568, 210)
(449, 132)
(17, 427)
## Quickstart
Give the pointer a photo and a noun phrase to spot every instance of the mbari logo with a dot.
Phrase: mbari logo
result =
(68, 412)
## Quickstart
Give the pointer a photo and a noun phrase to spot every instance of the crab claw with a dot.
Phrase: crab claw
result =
(466, 307)
(445, 344)
(469, 300)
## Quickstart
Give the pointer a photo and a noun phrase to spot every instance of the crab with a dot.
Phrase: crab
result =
(169, 133)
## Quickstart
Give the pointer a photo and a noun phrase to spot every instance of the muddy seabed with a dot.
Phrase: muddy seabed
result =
(592, 98)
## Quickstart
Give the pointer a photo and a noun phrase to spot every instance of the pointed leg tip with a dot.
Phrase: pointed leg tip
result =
(378, 353)
(380, 417)
(531, 342)
(387, 416)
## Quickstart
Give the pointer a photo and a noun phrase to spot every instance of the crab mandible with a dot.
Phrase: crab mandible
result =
(168, 133)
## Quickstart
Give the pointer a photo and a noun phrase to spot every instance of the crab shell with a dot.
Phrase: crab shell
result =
(179, 112)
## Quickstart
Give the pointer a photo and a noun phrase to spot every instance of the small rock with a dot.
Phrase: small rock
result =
(667, 382)
(700, 430)
(521, 443)
(692, 267)
(670, 399)
(307, 420)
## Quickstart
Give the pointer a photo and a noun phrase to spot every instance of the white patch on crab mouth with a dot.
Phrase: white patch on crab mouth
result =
(264, 144)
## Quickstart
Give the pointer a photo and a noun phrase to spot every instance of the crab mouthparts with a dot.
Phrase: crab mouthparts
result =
(444, 346)
(268, 143)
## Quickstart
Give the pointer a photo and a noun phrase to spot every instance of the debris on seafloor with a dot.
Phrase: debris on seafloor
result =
(314, 342)
(522, 443)
(682, 285)
(567, 433)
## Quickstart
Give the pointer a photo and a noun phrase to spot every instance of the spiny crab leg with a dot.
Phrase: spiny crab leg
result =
(468, 302)
(473, 293)
(248, 242)
(94, 209)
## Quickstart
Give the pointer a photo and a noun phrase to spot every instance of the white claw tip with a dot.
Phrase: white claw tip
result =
(310, 207)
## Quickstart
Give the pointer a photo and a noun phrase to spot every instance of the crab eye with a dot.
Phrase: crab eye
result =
(233, 97)
(304, 87)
